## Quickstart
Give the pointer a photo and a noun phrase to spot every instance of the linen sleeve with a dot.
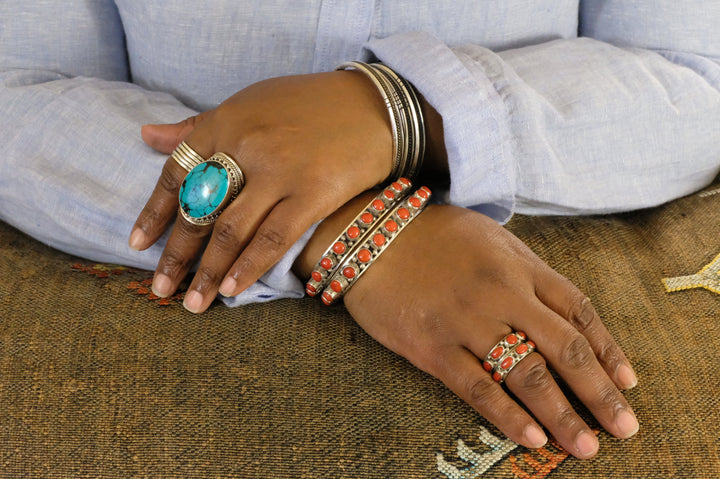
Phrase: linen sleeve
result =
(582, 125)
(74, 171)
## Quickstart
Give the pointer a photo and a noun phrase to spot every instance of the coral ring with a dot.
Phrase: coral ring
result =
(209, 188)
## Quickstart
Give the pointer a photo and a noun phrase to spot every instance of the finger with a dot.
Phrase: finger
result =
(282, 227)
(166, 137)
(560, 295)
(183, 247)
(532, 383)
(231, 233)
(570, 355)
(461, 371)
(160, 209)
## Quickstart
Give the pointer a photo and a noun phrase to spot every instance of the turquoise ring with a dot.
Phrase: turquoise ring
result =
(209, 187)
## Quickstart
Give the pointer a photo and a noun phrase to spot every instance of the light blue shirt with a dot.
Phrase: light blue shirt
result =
(537, 119)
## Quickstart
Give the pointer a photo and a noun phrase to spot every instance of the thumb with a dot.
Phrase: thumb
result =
(166, 137)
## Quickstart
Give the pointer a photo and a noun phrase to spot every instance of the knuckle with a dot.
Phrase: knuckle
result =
(169, 180)
(567, 418)
(608, 397)
(479, 392)
(173, 263)
(536, 376)
(188, 231)
(225, 233)
(150, 217)
(272, 238)
(577, 353)
(581, 312)
(206, 277)
(608, 353)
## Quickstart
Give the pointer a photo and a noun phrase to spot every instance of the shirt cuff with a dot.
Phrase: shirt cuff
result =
(475, 119)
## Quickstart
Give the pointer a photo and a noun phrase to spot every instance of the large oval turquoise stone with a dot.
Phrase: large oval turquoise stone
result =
(204, 189)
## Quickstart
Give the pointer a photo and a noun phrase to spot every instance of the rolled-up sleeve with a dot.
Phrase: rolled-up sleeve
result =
(575, 126)
(74, 171)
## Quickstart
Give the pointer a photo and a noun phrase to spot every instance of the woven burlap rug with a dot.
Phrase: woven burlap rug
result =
(100, 379)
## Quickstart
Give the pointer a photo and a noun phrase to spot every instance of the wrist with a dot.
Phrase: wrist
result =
(326, 231)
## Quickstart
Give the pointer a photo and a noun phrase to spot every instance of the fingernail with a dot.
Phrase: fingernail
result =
(162, 286)
(627, 424)
(586, 444)
(535, 436)
(137, 239)
(626, 377)
(227, 288)
(193, 301)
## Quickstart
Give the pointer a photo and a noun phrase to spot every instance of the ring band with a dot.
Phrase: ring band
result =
(209, 187)
(186, 157)
(506, 354)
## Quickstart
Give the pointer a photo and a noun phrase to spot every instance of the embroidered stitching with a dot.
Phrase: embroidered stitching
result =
(480, 462)
(533, 464)
(708, 278)
(705, 194)
(141, 287)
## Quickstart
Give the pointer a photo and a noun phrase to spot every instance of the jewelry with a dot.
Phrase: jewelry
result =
(506, 354)
(186, 157)
(406, 119)
(209, 187)
(355, 232)
(414, 121)
(376, 242)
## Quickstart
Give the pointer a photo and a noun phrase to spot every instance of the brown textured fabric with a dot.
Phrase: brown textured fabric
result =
(97, 379)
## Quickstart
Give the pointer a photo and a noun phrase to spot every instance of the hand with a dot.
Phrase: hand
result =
(306, 144)
(452, 285)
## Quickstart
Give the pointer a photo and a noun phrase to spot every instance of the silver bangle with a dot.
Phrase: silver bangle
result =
(391, 102)
(355, 233)
(376, 242)
(406, 118)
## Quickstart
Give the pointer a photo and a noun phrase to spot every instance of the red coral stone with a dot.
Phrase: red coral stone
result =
(336, 286)
(396, 186)
(497, 352)
(379, 239)
(326, 263)
(317, 276)
(378, 205)
(522, 335)
(487, 366)
(364, 255)
(507, 362)
(522, 349)
(511, 339)
(422, 193)
(497, 377)
(349, 272)
(326, 298)
(391, 226)
(389, 194)
(426, 190)
(415, 202)
(404, 181)
(367, 218)
(531, 344)
(353, 232)
(339, 247)
(310, 288)
(403, 213)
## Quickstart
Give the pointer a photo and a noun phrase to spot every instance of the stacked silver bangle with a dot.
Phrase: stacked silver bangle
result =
(406, 119)
(365, 239)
